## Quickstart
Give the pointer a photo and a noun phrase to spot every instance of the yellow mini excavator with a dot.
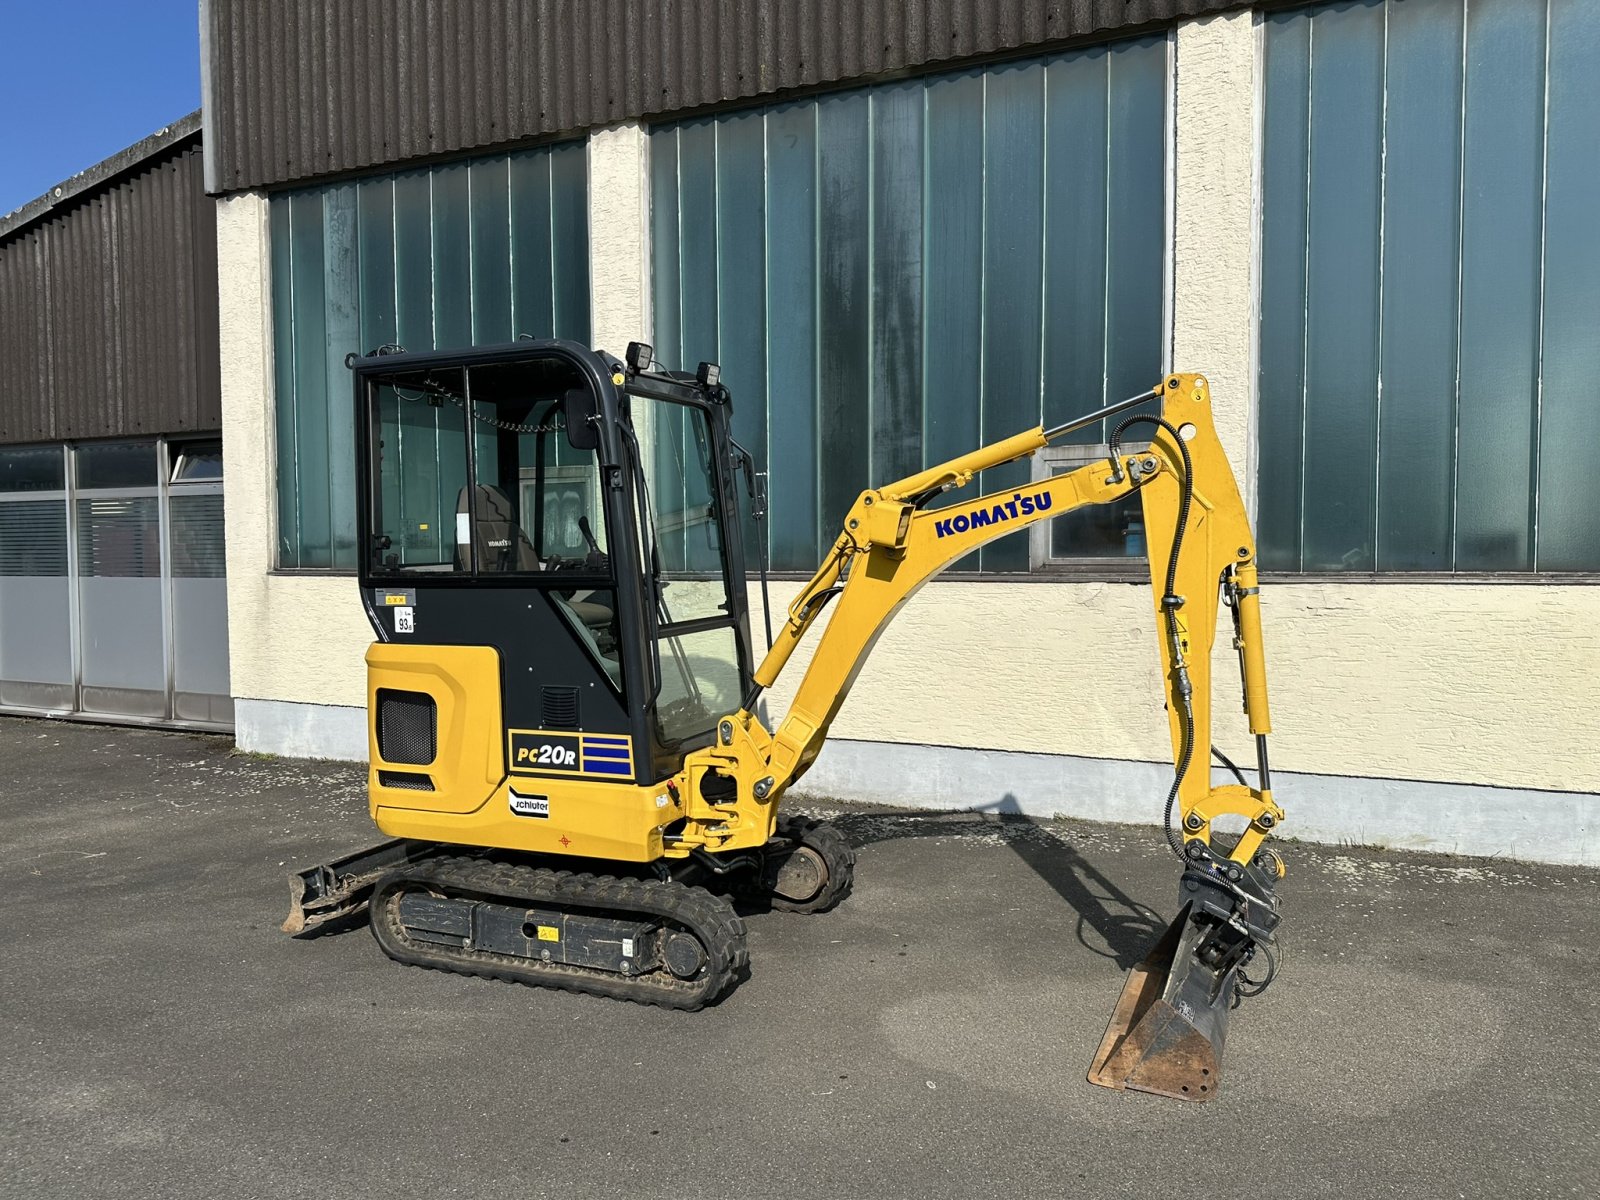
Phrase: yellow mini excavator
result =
(562, 697)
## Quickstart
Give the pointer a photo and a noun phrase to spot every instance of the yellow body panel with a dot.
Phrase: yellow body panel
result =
(464, 682)
(593, 820)
(471, 801)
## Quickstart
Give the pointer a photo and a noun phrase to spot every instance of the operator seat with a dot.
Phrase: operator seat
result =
(502, 546)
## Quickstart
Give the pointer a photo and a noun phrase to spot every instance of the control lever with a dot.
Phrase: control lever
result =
(588, 535)
(597, 557)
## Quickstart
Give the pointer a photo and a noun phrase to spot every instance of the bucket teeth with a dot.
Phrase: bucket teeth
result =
(1168, 1029)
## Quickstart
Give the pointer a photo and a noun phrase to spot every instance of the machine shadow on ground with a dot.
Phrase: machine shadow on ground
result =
(1123, 928)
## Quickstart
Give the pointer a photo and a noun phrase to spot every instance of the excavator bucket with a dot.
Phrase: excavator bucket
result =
(1168, 1028)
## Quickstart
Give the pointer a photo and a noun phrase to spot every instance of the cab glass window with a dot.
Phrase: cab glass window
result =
(534, 505)
(684, 513)
(475, 475)
(698, 644)
(420, 474)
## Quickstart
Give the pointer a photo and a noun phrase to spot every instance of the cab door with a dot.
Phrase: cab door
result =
(698, 612)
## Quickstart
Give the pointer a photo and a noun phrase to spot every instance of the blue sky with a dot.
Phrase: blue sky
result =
(84, 78)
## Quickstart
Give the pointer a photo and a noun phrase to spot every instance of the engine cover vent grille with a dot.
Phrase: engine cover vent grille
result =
(560, 708)
(408, 727)
(411, 781)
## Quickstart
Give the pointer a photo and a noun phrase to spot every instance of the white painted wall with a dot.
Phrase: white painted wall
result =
(1465, 683)
(1214, 223)
(290, 637)
(619, 231)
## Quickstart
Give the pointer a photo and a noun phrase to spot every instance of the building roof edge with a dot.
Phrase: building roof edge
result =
(100, 174)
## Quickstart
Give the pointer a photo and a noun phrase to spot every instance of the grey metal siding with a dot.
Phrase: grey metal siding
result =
(108, 308)
(306, 88)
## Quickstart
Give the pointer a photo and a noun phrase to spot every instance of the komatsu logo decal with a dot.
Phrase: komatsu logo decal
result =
(1018, 506)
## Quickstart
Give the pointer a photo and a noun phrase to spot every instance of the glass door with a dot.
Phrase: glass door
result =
(37, 669)
(121, 624)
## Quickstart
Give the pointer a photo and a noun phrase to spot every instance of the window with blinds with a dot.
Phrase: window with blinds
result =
(113, 581)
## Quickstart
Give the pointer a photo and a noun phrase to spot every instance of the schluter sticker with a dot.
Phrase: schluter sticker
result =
(530, 806)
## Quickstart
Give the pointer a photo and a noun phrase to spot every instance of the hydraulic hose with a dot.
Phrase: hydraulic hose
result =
(1171, 602)
(1173, 840)
(1231, 765)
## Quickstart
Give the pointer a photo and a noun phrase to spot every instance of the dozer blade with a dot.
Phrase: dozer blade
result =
(332, 891)
(1168, 1028)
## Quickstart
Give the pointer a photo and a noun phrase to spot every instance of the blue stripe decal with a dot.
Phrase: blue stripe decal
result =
(602, 767)
(607, 751)
(608, 743)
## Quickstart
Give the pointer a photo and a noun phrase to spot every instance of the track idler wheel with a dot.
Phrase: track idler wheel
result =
(683, 954)
(810, 869)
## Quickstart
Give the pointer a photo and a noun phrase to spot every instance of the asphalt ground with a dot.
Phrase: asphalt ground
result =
(1433, 1031)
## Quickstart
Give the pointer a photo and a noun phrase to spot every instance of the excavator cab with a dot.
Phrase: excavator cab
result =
(575, 541)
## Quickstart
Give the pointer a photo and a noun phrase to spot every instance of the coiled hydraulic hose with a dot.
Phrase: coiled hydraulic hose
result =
(1171, 602)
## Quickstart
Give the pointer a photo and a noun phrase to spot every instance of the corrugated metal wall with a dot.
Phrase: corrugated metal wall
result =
(382, 81)
(108, 310)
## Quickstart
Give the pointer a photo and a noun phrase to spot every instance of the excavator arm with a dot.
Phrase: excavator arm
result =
(1170, 1024)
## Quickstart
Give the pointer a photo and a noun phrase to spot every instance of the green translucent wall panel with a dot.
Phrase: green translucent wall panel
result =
(1429, 294)
(891, 275)
(1341, 304)
(461, 254)
(1569, 492)
(1416, 466)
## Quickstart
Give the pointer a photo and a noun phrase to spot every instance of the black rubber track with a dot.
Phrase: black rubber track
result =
(709, 918)
(838, 855)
